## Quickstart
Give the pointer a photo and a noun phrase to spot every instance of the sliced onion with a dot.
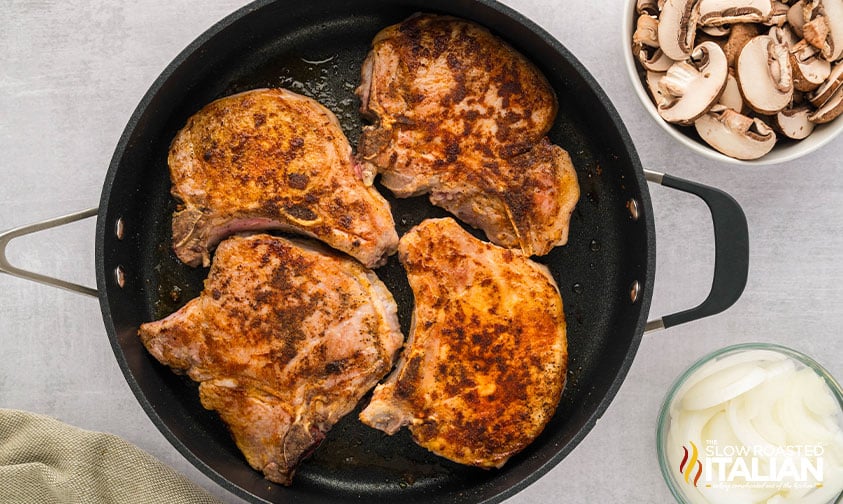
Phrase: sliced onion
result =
(717, 365)
(816, 396)
(796, 420)
(742, 426)
(724, 385)
(767, 401)
(765, 420)
(720, 429)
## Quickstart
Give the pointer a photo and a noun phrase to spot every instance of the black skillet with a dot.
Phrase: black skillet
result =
(605, 272)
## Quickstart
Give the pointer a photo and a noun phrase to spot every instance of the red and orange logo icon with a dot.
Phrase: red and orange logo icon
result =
(690, 464)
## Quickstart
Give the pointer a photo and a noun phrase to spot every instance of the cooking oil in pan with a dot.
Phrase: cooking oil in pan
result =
(329, 79)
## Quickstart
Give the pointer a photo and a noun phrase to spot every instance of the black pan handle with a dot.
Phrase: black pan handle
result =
(731, 250)
(11, 234)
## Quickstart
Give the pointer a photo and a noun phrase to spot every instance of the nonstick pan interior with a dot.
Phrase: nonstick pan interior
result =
(316, 48)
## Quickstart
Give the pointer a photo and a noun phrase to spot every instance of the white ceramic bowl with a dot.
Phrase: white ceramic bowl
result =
(783, 150)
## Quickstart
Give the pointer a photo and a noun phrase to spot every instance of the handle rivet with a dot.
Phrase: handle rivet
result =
(119, 228)
(632, 206)
(635, 291)
(120, 276)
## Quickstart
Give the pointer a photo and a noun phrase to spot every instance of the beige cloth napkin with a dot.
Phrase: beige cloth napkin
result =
(45, 461)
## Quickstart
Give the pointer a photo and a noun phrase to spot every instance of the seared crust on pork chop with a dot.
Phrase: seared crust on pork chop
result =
(284, 340)
(273, 159)
(461, 115)
(484, 366)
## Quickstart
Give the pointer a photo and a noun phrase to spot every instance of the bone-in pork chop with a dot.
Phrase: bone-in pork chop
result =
(484, 366)
(461, 115)
(273, 159)
(285, 339)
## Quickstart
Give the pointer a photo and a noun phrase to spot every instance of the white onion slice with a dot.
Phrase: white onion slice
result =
(715, 366)
(741, 424)
(724, 385)
(800, 425)
(771, 403)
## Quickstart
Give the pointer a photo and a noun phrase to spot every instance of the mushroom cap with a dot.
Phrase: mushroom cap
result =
(693, 86)
(830, 110)
(794, 122)
(809, 70)
(765, 75)
(654, 60)
(778, 14)
(735, 135)
(727, 12)
(647, 7)
(678, 28)
(824, 92)
(716, 31)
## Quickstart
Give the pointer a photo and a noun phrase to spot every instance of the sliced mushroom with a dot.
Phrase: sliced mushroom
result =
(716, 31)
(646, 31)
(653, 80)
(823, 26)
(795, 19)
(815, 27)
(678, 27)
(645, 44)
(788, 35)
(690, 87)
(809, 69)
(731, 97)
(765, 75)
(830, 110)
(778, 14)
(649, 7)
(834, 82)
(738, 37)
(722, 12)
(735, 135)
(654, 60)
(793, 122)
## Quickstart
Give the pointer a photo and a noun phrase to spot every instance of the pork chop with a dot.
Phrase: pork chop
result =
(273, 159)
(284, 340)
(484, 366)
(461, 115)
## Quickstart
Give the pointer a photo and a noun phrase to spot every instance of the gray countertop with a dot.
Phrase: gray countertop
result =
(72, 72)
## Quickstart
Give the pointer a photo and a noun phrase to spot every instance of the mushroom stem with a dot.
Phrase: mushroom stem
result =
(690, 87)
(734, 134)
(778, 61)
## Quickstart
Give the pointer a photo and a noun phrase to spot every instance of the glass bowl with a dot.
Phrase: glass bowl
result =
(711, 449)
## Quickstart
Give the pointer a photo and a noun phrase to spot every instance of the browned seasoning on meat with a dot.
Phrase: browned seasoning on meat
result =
(484, 366)
(285, 339)
(460, 115)
(273, 159)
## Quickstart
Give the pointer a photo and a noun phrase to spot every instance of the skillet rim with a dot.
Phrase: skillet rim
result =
(108, 208)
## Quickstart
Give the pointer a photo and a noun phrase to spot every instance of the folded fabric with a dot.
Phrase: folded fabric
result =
(46, 461)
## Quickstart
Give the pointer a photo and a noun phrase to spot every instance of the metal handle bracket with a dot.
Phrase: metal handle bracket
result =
(731, 251)
(7, 236)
